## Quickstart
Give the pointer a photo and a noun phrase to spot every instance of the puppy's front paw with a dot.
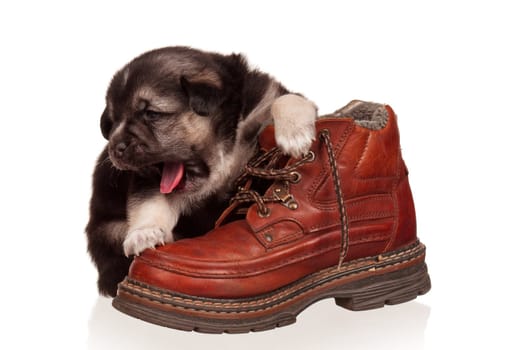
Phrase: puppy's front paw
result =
(138, 240)
(294, 119)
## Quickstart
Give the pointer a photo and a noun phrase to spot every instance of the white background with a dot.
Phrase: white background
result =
(455, 73)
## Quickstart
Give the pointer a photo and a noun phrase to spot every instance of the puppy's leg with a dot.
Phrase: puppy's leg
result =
(107, 226)
(151, 221)
(294, 119)
(105, 247)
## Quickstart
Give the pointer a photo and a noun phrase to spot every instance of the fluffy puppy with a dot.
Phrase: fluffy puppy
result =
(181, 124)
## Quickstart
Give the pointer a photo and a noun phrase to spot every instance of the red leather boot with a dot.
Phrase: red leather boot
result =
(338, 223)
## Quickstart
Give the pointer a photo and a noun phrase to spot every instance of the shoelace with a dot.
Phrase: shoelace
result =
(264, 166)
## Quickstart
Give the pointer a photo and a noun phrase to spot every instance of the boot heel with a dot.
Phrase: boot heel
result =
(390, 289)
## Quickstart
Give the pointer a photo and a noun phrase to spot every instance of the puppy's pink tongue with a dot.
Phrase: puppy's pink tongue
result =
(171, 177)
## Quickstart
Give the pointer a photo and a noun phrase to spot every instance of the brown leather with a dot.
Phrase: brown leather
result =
(257, 255)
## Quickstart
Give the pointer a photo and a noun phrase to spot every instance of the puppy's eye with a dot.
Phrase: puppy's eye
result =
(152, 115)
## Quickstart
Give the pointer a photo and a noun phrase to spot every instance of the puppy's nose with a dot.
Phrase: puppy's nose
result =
(120, 148)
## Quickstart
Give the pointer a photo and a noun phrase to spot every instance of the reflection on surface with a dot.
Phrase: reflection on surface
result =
(321, 326)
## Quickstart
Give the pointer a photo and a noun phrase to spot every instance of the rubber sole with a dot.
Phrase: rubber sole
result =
(362, 284)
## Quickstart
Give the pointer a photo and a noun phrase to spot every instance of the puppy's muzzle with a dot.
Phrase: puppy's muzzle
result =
(125, 155)
(120, 148)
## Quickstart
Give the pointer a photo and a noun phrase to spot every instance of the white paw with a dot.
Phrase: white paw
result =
(138, 240)
(294, 119)
(295, 142)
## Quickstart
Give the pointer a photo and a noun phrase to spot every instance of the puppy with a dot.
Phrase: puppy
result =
(181, 124)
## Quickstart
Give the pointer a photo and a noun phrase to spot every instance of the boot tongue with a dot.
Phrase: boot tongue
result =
(171, 177)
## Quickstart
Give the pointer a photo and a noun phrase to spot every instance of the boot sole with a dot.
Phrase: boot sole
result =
(363, 284)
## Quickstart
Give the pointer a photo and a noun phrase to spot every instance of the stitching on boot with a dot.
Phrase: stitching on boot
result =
(152, 295)
(351, 265)
(262, 301)
(362, 156)
(395, 200)
(143, 291)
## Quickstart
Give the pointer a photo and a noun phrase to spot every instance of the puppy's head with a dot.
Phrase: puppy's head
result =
(174, 109)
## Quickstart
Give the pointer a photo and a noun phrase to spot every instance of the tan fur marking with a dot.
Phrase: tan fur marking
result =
(197, 128)
(206, 76)
(163, 103)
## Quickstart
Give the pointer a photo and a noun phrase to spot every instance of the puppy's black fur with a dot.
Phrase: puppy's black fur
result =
(152, 104)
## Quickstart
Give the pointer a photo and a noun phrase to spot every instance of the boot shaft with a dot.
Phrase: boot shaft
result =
(374, 182)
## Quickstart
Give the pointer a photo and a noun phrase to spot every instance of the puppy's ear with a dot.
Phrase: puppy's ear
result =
(106, 124)
(203, 98)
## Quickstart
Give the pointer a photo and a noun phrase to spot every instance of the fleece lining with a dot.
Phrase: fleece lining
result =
(368, 115)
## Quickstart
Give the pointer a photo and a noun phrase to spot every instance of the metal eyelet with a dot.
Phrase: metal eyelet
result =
(324, 132)
(292, 205)
(310, 156)
(268, 237)
(264, 214)
(296, 177)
